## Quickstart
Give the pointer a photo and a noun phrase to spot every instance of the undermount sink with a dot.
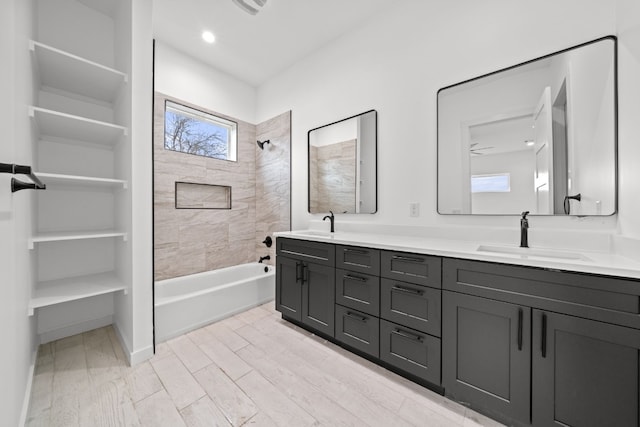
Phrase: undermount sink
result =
(536, 253)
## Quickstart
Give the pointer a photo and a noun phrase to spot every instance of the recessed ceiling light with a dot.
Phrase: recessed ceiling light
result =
(208, 36)
(529, 142)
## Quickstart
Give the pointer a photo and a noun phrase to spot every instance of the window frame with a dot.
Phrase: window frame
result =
(202, 115)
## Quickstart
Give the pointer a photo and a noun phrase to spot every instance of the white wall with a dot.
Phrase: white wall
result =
(628, 16)
(186, 78)
(403, 58)
(16, 328)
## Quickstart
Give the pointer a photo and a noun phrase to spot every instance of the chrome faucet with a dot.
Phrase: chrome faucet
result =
(524, 229)
(332, 219)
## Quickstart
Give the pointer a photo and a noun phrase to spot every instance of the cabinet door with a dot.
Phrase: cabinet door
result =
(318, 297)
(289, 287)
(486, 354)
(585, 373)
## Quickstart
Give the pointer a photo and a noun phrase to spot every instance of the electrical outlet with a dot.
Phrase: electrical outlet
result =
(414, 209)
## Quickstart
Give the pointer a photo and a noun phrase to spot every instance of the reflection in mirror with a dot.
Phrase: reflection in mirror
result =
(538, 137)
(342, 166)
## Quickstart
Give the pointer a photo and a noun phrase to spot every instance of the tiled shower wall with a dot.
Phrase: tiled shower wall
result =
(333, 177)
(188, 241)
(273, 181)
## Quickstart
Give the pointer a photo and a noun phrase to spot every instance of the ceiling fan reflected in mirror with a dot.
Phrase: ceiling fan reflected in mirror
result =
(477, 151)
(250, 6)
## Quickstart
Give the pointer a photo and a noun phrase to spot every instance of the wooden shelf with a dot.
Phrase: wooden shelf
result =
(73, 288)
(69, 126)
(62, 70)
(55, 179)
(74, 235)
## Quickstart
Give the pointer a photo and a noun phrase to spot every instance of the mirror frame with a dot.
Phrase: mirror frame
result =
(376, 166)
(615, 128)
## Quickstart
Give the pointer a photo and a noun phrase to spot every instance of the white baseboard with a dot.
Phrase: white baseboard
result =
(27, 393)
(134, 357)
(76, 328)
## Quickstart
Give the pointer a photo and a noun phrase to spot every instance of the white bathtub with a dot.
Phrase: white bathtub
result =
(189, 302)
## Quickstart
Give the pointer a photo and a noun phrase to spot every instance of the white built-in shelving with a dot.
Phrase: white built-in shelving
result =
(77, 128)
(76, 81)
(61, 180)
(73, 288)
(59, 236)
(64, 71)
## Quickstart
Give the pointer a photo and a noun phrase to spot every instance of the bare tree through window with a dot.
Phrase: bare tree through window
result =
(193, 132)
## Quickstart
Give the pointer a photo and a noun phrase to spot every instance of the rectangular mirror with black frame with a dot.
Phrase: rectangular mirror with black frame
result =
(342, 166)
(539, 136)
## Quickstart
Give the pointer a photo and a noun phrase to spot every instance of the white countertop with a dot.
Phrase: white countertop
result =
(569, 260)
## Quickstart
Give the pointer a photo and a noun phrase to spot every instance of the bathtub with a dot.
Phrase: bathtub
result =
(190, 302)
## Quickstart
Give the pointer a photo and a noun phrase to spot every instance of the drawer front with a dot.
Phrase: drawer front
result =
(358, 291)
(412, 351)
(363, 260)
(358, 330)
(604, 298)
(316, 252)
(414, 268)
(411, 305)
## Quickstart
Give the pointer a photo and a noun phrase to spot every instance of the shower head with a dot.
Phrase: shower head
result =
(242, 4)
(261, 143)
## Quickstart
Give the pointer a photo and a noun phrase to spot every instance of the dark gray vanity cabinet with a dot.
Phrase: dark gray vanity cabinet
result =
(305, 283)
(486, 354)
(410, 312)
(585, 373)
(358, 298)
(537, 347)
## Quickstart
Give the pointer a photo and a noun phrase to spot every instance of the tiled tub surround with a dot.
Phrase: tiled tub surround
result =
(273, 182)
(188, 241)
(529, 339)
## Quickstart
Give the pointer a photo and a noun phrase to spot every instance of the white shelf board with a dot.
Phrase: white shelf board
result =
(74, 288)
(77, 180)
(63, 70)
(69, 126)
(74, 235)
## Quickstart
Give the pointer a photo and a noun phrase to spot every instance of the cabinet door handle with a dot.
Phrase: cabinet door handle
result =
(356, 278)
(356, 251)
(407, 290)
(405, 334)
(543, 347)
(356, 317)
(520, 314)
(407, 258)
(298, 271)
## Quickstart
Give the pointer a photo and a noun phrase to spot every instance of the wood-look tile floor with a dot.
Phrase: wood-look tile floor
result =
(252, 369)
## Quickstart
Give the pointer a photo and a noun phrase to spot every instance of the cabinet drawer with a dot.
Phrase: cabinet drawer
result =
(420, 269)
(358, 330)
(316, 252)
(412, 351)
(411, 305)
(358, 291)
(604, 298)
(363, 260)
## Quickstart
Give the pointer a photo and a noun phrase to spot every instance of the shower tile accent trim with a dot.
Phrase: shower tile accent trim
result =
(193, 195)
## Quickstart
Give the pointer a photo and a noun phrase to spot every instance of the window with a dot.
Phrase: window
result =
(494, 183)
(195, 132)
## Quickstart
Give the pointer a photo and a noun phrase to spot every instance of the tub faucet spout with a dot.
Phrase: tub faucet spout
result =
(524, 229)
(332, 219)
(262, 258)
